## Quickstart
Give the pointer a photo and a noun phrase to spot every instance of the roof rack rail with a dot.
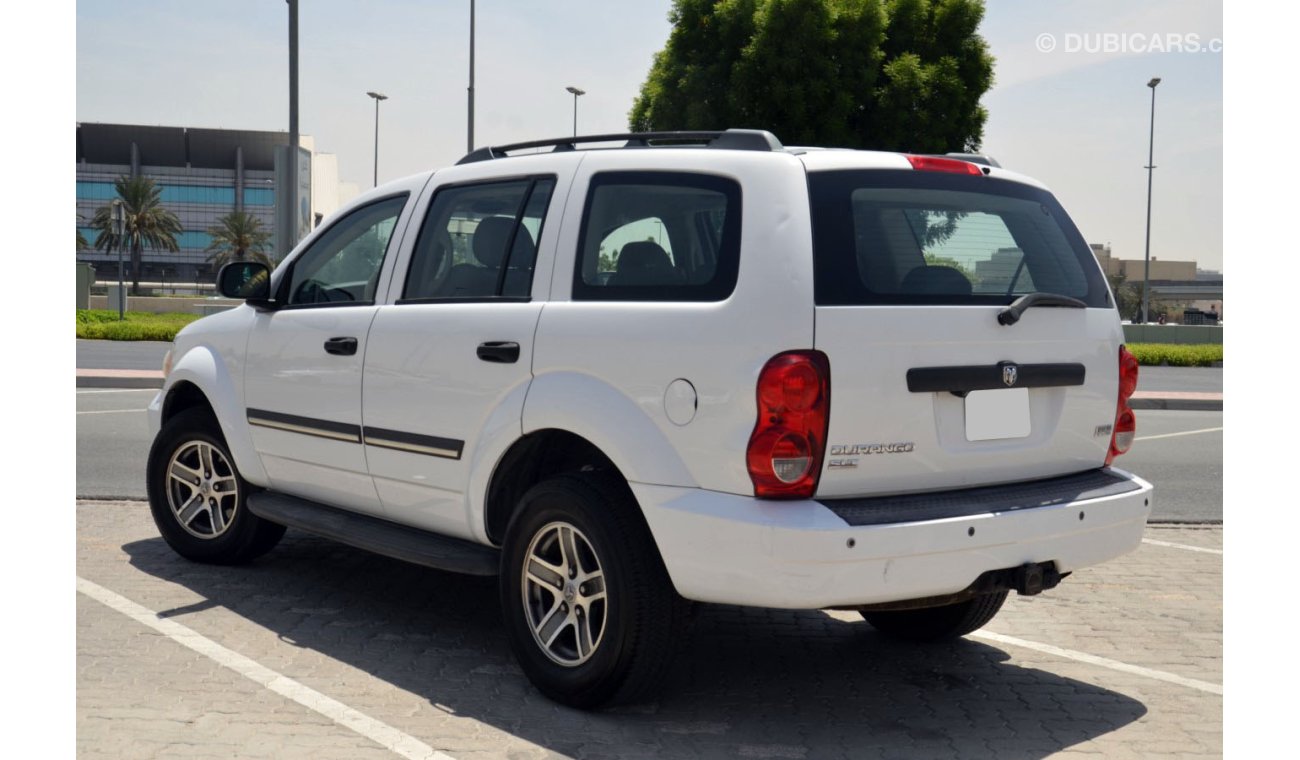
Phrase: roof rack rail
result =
(730, 139)
(976, 158)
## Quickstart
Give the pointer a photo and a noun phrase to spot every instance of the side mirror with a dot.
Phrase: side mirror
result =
(248, 280)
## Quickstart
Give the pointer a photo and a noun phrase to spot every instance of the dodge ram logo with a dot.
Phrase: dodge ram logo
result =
(1009, 374)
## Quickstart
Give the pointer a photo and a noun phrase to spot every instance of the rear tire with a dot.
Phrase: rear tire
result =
(198, 498)
(937, 623)
(595, 630)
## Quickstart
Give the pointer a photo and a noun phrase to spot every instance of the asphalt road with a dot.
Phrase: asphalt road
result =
(1195, 379)
(1185, 466)
(121, 354)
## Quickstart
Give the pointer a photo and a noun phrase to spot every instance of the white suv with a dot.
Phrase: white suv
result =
(690, 366)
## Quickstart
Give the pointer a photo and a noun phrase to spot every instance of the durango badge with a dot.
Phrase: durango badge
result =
(1009, 374)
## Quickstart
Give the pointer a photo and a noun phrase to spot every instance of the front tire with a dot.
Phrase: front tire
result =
(197, 496)
(930, 624)
(589, 608)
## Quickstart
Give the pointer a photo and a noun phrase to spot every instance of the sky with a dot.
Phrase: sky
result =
(1076, 118)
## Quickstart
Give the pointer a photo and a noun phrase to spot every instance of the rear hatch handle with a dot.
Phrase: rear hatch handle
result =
(1011, 314)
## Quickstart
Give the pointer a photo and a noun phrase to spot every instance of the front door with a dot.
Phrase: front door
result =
(302, 385)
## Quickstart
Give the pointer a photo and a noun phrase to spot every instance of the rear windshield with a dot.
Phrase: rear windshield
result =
(912, 237)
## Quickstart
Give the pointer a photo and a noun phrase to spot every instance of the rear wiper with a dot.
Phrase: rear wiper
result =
(1011, 314)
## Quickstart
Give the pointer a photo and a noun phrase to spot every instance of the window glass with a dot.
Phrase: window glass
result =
(651, 236)
(929, 238)
(342, 266)
(479, 241)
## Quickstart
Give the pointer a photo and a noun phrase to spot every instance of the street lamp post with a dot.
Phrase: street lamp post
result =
(1150, 167)
(378, 96)
(576, 92)
(119, 232)
(471, 76)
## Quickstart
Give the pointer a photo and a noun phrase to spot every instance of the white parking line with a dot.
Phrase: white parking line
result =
(111, 411)
(1184, 547)
(1175, 435)
(377, 731)
(1123, 667)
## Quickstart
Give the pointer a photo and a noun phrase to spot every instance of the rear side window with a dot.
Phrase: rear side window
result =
(909, 237)
(658, 236)
(479, 241)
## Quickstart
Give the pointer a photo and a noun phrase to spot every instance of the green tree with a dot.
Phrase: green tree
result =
(81, 239)
(1128, 296)
(238, 236)
(148, 223)
(882, 74)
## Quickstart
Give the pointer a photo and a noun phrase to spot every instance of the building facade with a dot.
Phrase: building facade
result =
(204, 174)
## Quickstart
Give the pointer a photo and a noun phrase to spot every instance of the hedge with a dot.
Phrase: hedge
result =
(103, 324)
(1178, 355)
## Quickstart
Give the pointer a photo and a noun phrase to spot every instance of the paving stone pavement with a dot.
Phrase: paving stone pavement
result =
(423, 651)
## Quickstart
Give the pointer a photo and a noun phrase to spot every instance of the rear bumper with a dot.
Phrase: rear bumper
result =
(801, 555)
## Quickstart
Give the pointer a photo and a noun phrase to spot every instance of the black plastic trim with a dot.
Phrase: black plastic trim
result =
(446, 448)
(375, 535)
(985, 377)
(305, 425)
(967, 502)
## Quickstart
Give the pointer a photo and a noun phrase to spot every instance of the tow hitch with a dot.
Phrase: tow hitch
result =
(1032, 578)
(1029, 579)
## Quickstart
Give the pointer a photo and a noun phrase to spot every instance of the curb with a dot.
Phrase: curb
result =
(119, 378)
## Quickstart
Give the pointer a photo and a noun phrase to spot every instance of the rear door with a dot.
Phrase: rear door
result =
(449, 362)
(928, 389)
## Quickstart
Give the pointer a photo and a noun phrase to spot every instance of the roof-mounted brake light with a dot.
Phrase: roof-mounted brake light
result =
(936, 164)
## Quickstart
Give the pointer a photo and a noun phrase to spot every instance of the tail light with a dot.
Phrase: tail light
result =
(1125, 428)
(794, 401)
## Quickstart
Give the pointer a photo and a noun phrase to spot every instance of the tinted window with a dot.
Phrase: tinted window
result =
(479, 241)
(931, 238)
(659, 236)
(342, 265)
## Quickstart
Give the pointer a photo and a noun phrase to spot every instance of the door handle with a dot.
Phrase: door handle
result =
(499, 351)
(341, 346)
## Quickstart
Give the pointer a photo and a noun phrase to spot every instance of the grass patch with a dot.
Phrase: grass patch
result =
(1177, 354)
(103, 324)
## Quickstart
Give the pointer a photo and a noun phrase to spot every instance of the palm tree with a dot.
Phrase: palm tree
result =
(81, 239)
(238, 236)
(147, 223)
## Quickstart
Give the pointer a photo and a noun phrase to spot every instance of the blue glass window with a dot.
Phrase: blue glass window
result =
(219, 196)
(95, 191)
(259, 196)
(193, 239)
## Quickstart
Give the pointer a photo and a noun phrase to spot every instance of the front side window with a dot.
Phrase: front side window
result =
(479, 241)
(658, 236)
(342, 266)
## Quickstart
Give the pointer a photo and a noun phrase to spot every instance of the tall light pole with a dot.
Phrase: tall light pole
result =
(576, 92)
(471, 76)
(378, 96)
(1150, 167)
(119, 230)
(292, 191)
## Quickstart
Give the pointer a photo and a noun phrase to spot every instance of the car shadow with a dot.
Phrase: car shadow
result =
(753, 682)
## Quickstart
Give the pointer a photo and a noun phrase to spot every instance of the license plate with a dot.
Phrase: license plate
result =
(993, 415)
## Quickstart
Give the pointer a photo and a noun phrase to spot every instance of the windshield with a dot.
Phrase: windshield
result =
(899, 237)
